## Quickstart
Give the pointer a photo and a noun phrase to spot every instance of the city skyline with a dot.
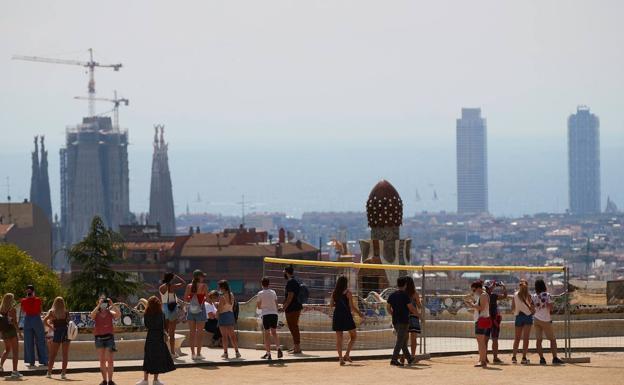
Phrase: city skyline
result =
(258, 89)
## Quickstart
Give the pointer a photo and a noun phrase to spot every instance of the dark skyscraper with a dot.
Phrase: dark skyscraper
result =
(94, 177)
(584, 162)
(161, 195)
(472, 175)
(39, 181)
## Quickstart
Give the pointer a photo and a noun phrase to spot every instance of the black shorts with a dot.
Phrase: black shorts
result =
(269, 321)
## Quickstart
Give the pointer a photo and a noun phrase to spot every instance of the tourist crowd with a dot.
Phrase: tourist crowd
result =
(216, 312)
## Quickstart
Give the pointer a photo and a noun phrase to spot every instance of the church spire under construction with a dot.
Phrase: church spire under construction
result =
(161, 196)
(39, 181)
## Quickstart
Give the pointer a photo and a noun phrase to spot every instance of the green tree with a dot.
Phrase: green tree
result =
(18, 269)
(95, 276)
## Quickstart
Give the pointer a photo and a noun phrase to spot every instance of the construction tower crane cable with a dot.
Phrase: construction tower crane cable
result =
(91, 64)
(116, 103)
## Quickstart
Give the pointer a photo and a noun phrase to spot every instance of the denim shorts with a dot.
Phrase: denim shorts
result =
(227, 319)
(106, 342)
(170, 315)
(197, 317)
(523, 319)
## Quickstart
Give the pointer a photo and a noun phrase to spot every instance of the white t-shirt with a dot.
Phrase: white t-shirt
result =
(541, 302)
(210, 308)
(269, 301)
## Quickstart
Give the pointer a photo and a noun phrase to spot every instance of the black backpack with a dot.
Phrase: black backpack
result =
(4, 323)
(304, 293)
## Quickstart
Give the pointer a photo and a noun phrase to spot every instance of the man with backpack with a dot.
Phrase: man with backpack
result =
(292, 307)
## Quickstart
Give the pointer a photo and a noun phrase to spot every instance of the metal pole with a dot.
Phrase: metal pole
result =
(423, 335)
(568, 348)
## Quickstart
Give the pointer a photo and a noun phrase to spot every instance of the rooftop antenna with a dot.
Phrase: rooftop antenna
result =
(242, 203)
(8, 186)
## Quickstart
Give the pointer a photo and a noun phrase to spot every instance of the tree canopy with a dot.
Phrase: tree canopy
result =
(93, 275)
(18, 269)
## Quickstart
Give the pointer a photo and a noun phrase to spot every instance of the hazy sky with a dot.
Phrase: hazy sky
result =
(303, 105)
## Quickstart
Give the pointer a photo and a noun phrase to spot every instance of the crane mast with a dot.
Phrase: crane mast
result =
(91, 64)
(116, 103)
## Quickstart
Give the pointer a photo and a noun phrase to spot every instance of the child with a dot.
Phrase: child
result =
(495, 315)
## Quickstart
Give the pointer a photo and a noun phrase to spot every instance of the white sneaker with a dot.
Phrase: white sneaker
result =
(142, 382)
(224, 356)
(199, 357)
(63, 376)
(238, 355)
(156, 382)
(48, 375)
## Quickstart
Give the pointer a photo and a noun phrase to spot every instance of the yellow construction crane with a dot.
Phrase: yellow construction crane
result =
(91, 64)
(116, 103)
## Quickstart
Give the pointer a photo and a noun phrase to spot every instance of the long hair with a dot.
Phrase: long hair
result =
(410, 287)
(7, 303)
(194, 283)
(341, 285)
(58, 308)
(523, 291)
(153, 306)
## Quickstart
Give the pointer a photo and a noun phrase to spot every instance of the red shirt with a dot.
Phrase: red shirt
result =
(31, 305)
(103, 323)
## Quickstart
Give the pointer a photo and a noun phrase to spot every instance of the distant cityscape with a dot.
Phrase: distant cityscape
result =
(94, 180)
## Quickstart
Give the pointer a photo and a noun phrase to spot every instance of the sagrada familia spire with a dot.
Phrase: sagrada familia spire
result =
(39, 181)
(161, 195)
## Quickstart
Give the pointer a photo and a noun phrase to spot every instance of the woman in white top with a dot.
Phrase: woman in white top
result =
(483, 322)
(169, 302)
(543, 322)
(523, 309)
(227, 319)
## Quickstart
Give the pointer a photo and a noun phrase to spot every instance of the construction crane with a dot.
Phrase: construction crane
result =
(116, 103)
(91, 64)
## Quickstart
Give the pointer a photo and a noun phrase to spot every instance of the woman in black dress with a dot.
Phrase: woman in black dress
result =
(157, 358)
(342, 321)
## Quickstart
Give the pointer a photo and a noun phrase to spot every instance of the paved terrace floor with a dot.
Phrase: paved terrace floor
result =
(605, 368)
(435, 345)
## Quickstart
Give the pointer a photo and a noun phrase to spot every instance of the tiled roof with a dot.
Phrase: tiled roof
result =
(251, 250)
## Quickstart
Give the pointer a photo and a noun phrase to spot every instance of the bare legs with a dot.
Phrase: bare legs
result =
(482, 344)
(267, 340)
(10, 346)
(106, 363)
(171, 329)
(339, 341)
(196, 337)
(413, 343)
(522, 332)
(228, 333)
(54, 347)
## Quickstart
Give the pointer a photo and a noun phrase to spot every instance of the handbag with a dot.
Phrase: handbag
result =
(484, 323)
(172, 306)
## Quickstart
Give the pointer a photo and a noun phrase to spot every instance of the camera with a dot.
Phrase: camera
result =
(500, 283)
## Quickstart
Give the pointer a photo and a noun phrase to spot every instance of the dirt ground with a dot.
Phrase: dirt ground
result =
(605, 368)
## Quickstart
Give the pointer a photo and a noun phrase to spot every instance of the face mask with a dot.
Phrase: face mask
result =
(104, 306)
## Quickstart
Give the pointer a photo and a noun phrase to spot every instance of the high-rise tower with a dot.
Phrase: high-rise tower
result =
(94, 177)
(584, 162)
(472, 175)
(161, 195)
(39, 181)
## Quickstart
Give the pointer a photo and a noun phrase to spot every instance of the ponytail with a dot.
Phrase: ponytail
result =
(194, 284)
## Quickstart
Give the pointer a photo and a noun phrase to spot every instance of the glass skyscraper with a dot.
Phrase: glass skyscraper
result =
(472, 178)
(584, 162)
